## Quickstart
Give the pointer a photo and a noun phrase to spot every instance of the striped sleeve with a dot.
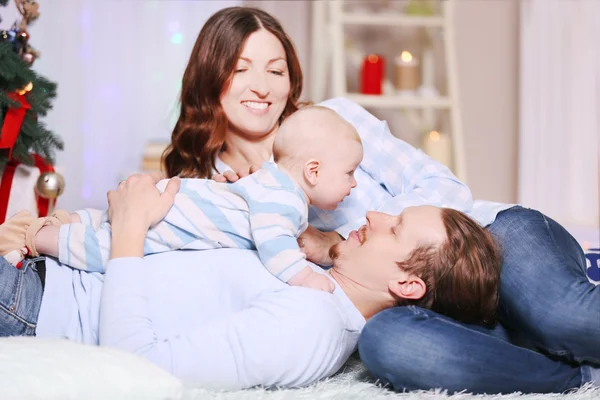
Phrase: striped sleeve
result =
(83, 247)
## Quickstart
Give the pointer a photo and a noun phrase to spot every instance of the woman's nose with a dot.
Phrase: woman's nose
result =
(260, 84)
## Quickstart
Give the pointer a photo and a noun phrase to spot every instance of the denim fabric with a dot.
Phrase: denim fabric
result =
(20, 298)
(411, 348)
(545, 296)
(550, 316)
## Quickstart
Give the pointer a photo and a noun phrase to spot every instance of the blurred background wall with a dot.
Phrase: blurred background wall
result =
(118, 66)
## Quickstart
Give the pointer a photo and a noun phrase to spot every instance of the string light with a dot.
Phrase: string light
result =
(177, 38)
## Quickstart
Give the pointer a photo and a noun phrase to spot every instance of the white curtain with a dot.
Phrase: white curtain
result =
(559, 110)
(118, 65)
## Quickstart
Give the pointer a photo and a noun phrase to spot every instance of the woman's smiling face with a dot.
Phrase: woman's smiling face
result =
(259, 87)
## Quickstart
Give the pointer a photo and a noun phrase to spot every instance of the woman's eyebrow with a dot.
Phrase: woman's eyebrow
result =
(276, 59)
(268, 62)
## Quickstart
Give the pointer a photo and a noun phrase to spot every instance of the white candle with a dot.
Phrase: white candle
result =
(439, 147)
(428, 71)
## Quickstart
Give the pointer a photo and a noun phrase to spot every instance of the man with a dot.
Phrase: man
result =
(235, 325)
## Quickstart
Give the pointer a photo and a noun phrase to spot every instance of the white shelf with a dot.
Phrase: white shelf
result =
(399, 101)
(329, 57)
(391, 19)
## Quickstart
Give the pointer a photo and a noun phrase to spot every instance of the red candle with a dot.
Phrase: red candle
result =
(372, 75)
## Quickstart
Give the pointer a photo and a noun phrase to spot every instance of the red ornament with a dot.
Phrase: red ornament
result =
(13, 122)
(372, 74)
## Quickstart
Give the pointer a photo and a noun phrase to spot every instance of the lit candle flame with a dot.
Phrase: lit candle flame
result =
(434, 136)
(372, 58)
(406, 56)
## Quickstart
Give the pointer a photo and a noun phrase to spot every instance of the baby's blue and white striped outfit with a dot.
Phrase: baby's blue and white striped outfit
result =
(265, 211)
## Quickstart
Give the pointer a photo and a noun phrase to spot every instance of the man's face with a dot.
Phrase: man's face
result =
(370, 256)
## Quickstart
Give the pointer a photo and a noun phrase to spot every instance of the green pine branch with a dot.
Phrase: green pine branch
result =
(34, 136)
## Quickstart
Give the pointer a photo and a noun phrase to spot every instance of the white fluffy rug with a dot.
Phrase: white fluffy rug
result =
(353, 383)
(361, 391)
(35, 369)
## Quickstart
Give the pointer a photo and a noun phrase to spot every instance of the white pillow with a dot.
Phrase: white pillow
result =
(35, 368)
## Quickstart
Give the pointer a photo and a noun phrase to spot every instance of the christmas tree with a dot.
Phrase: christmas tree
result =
(28, 180)
(24, 95)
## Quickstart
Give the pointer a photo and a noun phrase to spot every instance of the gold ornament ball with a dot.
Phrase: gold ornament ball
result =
(50, 185)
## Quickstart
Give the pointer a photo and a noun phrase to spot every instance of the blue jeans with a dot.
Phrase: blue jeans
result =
(20, 298)
(550, 323)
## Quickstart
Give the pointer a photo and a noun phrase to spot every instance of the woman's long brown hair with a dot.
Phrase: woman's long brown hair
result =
(199, 133)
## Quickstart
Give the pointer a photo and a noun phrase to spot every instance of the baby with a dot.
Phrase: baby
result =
(316, 153)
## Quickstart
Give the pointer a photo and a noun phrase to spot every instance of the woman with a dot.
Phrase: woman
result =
(228, 122)
(233, 98)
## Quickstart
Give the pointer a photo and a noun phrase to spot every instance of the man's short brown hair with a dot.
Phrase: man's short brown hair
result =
(462, 274)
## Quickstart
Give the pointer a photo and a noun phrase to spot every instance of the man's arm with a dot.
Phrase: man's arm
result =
(287, 338)
(408, 174)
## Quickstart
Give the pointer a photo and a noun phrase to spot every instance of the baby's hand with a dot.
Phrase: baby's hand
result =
(309, 279)
(316, 245)
(319, 282)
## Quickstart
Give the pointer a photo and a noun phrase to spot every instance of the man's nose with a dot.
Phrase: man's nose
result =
(353, 182)
(375, 220)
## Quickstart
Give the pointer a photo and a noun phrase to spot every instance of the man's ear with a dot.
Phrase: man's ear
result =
(311, 171)
(412, 288)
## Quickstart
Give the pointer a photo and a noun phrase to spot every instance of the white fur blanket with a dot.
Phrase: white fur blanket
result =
(35, 368)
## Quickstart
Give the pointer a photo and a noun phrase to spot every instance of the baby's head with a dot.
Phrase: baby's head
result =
(321, 151)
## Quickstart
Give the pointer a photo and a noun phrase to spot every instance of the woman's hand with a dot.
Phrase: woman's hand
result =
(316, 244)
(134, 206)
(230, 176)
